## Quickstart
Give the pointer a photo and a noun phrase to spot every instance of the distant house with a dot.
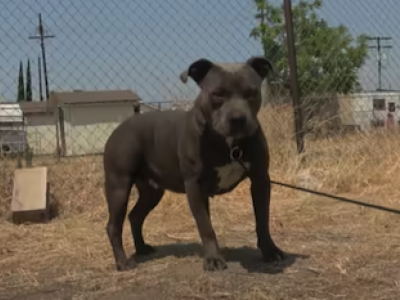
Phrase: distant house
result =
(40, 126)
(70, 123)
(85, 119)
(370, 109)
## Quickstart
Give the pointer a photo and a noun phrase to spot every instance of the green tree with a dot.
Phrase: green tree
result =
(21, 88)
(28, 93)
(328, 57)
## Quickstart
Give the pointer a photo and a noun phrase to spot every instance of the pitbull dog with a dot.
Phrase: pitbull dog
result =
(203, 152)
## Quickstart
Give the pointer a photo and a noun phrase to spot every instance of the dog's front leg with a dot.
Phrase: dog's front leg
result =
(261, 197)
(198, 200)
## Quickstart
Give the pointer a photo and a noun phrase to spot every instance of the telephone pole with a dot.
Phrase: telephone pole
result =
(294, 81)
(40, 79)
(42, 37)
(379, 48)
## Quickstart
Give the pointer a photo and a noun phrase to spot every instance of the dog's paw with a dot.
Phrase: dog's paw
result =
(272, 254)
(145, 250)
(128, 264)
(214, 263)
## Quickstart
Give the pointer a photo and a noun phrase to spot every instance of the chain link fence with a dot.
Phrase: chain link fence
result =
(72, 71)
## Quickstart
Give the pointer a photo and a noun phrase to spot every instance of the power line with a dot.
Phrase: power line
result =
(379, 48)
(42, 37)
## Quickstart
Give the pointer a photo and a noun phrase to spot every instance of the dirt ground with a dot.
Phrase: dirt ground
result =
(335, 251)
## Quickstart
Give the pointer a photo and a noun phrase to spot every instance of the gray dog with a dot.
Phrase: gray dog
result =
(204, 152)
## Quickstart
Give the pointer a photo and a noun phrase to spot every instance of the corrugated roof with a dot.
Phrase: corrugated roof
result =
(71, 97)
(10, 112)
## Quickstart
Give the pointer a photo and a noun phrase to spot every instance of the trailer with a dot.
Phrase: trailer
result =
(370, 109)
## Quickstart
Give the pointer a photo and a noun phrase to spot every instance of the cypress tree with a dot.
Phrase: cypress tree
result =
(21, 88)
(28, 92)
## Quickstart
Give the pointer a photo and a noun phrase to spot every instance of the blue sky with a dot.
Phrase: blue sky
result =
(144, 45)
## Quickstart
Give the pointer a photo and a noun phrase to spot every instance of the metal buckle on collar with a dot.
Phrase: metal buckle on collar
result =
(236, 153)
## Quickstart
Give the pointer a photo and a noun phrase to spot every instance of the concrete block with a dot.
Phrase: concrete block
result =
(30, 201)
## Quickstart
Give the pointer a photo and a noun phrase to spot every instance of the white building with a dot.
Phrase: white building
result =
(85, 119)
(40, 127)
(12, 134)
(370, 109)
(70, 123)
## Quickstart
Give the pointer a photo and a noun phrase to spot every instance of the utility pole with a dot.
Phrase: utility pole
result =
(40, 79)
(294, 81)
(379, 48)
(42, 37)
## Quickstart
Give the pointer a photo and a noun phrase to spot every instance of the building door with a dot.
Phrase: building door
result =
(390, 116)
(378, 112)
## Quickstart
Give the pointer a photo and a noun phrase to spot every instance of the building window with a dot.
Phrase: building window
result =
(392, 107)
(379, 104)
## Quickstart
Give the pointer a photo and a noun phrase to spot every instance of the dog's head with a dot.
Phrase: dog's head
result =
(230, 94)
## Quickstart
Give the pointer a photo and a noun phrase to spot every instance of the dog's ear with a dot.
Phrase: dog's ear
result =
(197, 70)
(261, 65)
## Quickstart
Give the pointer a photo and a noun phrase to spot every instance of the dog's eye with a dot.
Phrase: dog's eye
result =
(251, 93)
(219, 94)
(217, 102)
(218, 97)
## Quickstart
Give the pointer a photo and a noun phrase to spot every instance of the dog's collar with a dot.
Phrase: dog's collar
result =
(236, 153)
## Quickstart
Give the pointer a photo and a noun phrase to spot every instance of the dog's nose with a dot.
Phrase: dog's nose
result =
(238, 121)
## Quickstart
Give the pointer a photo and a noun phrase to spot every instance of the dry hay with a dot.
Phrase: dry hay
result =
(342, 251)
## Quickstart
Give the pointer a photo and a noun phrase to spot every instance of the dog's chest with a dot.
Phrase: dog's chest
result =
(229, 175)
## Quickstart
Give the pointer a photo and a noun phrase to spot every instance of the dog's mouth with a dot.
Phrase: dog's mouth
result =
(233, 131)
(237, 135)
(239, 132)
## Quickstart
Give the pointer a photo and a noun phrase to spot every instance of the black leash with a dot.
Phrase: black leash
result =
(343, 199)
(236, 155)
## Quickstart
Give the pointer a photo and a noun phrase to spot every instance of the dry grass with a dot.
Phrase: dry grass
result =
(339, 251)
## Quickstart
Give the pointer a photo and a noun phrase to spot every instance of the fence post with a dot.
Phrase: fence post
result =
(56, 116)
(294, 82)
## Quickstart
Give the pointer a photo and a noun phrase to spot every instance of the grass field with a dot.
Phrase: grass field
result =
(336, 250)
